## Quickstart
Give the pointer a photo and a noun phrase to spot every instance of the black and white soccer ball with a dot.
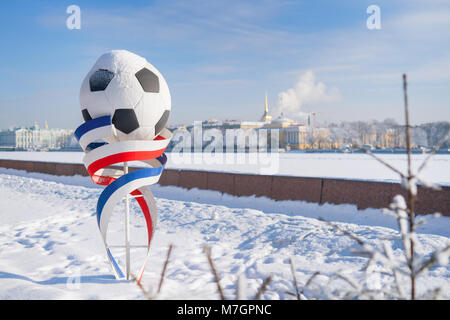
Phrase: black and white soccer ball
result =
(129, 89)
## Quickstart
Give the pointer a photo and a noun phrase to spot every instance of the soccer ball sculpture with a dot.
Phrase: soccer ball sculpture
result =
(125, 103)
(131, 90)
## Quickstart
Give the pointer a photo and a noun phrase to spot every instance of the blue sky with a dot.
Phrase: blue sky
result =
(219, 57)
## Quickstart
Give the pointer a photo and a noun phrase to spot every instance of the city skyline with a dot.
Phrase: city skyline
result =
(219, 58)
(383, 136)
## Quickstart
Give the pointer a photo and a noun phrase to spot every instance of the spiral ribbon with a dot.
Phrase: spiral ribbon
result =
(99, 154)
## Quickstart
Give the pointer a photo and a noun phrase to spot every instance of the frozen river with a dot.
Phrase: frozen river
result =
(329, 165)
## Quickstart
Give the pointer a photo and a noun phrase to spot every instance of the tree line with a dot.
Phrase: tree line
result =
(387, 133)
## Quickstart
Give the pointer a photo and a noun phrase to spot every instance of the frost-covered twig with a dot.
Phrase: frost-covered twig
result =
(315, 274)
(310, 280)
(214, 272)
(390, 255)
(439, 257)
(263, 287)
(425, 219)
(400, 208)
(433, 152)
(351, 282)
(146, 293)
(301, 293)
(368, 250)
(297, 292)
(411, 264)
(241, 287)
(348, 234)
(407, 127)
(139, 284)
(163, 272)
(382, 161)
(411, 189)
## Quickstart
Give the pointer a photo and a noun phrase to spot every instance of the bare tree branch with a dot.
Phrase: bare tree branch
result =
(433, 152)
(139, 284)
(214, 271)
(315, 274)
(263, 288)
(433, 260)
(382, 162)
(345, 232)
(165, 267)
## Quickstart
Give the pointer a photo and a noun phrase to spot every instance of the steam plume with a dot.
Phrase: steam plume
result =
(306, 92)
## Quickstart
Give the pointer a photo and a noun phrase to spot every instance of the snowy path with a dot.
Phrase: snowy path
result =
(50, 241)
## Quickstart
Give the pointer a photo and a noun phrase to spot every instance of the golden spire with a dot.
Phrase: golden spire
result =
(266, 116)
(267, 107)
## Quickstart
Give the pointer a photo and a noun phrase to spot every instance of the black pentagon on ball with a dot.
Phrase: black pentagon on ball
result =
(100, 79)
(125, 120)
(162, 122)
(86, 115)
(148, 80)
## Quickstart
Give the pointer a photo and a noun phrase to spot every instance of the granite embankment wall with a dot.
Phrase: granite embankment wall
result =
(363, 194)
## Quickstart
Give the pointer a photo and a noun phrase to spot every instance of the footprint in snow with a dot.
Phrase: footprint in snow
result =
(26, 243)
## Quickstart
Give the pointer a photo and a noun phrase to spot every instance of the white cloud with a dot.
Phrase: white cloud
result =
(307, 91)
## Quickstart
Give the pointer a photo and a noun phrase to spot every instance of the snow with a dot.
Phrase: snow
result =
(52, 249)
(64, 157)
(327, 165)
(118, 61)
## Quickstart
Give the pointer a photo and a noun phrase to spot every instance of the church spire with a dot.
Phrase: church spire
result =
(266, 116)
(267, 107)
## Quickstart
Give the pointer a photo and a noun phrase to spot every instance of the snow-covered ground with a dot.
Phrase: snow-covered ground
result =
(51, 247)
(328, 165)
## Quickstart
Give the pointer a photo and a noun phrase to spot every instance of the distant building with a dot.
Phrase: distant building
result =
(35, 138)
(294, 137)
(291, 134)
(280, 122)
(7, 140)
